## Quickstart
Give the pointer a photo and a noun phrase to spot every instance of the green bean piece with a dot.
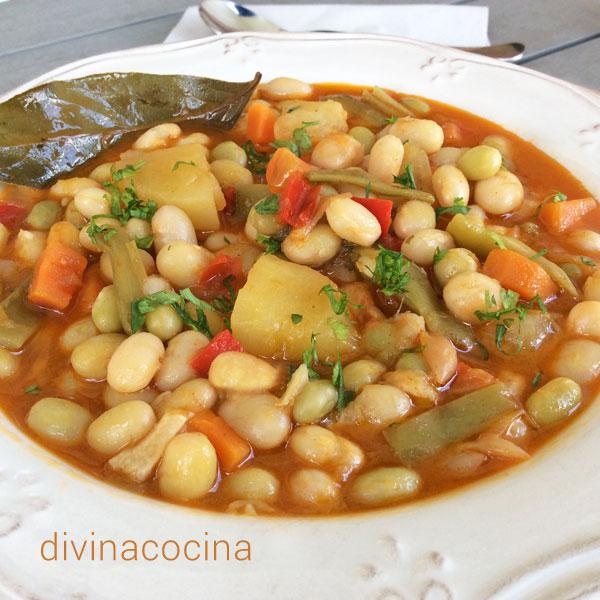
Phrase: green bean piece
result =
(435, 430)
(18, 322)
(377, 187)
(43, 215)
(472, 234)
(361, 112)
(246, 196)
(421, 298)
(553, 402)
(382, 101)
(416, 105)
(128, 274)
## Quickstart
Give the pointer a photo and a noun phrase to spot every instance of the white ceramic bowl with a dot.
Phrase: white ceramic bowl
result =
(531, 532)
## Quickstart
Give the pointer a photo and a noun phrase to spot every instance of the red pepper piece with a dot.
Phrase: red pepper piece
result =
(298, 201)
(381, 209)
(222, 342)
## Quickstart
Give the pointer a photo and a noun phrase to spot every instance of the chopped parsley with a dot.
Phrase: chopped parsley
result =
(272, 244)
(126, 205)
(368, 189)
(391, 120)
(439, 254)
(310, 357)
(407, 179)
(144, 242)
(296, 318)
(536, 379)
(257, 161)
(390, 271)
(33, 389)
(178, 163)
(458, 207)
(587, 261)
(541, 252)
(497, 239)
(268, 205)
(511, 310)
(338, 305)
(140, 308)
(339, 328)
(127, 171)
(105, 231)
(301, 142)
(557, 197)
(344, 396)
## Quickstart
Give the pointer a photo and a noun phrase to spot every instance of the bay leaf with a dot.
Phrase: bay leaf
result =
(50, 130)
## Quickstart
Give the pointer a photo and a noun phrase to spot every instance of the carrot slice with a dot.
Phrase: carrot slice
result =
(519, 273)
(591, 220)
(57, 276)
(92, 286)
(468, 379)
(559, 217)
(261, 123)
(282, 164)
(232, 450)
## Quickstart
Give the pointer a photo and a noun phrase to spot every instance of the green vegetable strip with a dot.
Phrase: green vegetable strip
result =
(422, 299)
(435, 430)
(377, 187)
(128, 274)
(17, 321)
(361, 111)
(472, 234)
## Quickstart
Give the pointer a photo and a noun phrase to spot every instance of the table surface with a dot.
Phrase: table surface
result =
(562, 37)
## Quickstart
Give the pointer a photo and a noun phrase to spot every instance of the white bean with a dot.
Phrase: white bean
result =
(158, 136)
(76, 333)
(60, 421)
(138, 228)
(181, 263)
(447, 155)
(385, 485)
(423, 132)
(441, 357)
(361, 372)
(9, 363)
(412, 216)
(377, 404)
(175, 368)
(584, 319)
(194, 395)
(29, 245)
(456, 260)
(314, 444)
(251, 483)
(87, 242)
(230, 173)
(188, 469)
(352, 221)
(385, 158)
(135, 362)
(113, 398)
(421, 246)
(67, 188)
(468, 292)
(105, 311)
(316, 400)
(314, 489)
(91, 357)
(480, 162)
(286, 88)
(155, 283)
(120, 426)
(503, 193)
(449, 184)
(164, 322)
(578, 360)
(585, 241)
(257, 418)
(314, 249)
(92, 201)
(242, 372)
(220, 239)
(337, 151)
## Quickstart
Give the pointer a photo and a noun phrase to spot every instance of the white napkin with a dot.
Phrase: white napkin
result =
(441, 24)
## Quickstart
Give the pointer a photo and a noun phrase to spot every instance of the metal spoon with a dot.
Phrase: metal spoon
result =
(224, 16)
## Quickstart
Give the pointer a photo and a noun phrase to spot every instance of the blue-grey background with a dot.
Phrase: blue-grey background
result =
(562, 36)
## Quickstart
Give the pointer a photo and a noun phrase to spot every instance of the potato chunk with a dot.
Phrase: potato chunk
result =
(329, 117)
(192, 188)
(275, 290)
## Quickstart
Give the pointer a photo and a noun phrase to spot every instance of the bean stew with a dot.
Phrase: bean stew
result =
(353, 299)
